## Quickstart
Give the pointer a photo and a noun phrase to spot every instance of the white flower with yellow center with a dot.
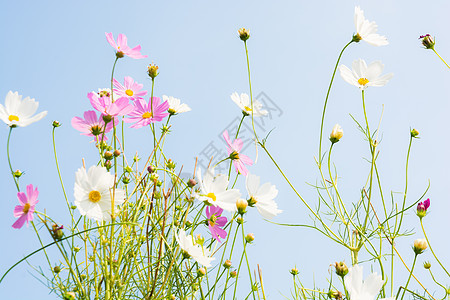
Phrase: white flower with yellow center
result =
(366, 30)
(363, 75)
(199, 253)
(213, 189)
(262, 196)
(360, 289)
(243, 101)
(94, 192)
(18, 112)
(175, 105)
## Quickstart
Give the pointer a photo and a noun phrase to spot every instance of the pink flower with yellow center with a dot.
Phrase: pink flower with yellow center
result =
(129, 89)
(25, 210)
(215, 222)
(239, 159)
(122, 47)
(119, 107)
(146, 113)
(91, 125)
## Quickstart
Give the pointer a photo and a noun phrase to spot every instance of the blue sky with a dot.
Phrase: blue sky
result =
(56, 52)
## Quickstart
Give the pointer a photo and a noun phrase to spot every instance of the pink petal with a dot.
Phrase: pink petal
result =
(18, 211)
(110, 39)
(19, 222)
(122, 41)
(227, 138)
(22, 198)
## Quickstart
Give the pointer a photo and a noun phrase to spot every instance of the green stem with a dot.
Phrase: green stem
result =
(441, 58)
(409, 278)
(9, 161)
(406, 185)
(250, 88)
(326, 101)
(429, 246)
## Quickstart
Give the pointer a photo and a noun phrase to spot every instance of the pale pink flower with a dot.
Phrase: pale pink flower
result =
(122, 47)
(239, 160)
(143, 114)
(91, 125)
(25, 211)
(215, 222)
(119, 107)
(129, 89)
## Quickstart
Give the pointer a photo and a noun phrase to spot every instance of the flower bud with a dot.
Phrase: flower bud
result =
(250, 237)
(244, 34)
(201, 272)
(294, 271)
(151, 169)
(419, 246)
(414, 133)
(76, 249)
(108, 155)
(422, 208)
(172, 297)
(17, 173)
(334, 294)
(154, 177)
(152, 71)
(56, 124)
(341, 268)
(128, 169)
(108, 165)
(116, 153)
(69, 296)
(170, 164)
(233, 274)
(191, 183)
(57, 232)
(57, 269)
(241, 206)
(227, 264)
(240, 220)
(427, 265)
(336, 134)
(126, 180)
(106, 118)
(199, 239)
(427, 41)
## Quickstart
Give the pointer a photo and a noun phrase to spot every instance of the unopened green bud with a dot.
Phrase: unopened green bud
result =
(199, 239)
(427, 41)
(414, 133)
(108, 155)
(170, 164)
(69, 296)
(294, 271)
(17, 173)
(152, 71)
(250, 237)
(227, 264)
(76, 249)
(83, 277)
(73, 207)
(128, 169)
(57, 269)
(201, 272)
(244, 34)
(233, 274)
(191, 183)
(56, 124)
(241, 206)
(116, 153)
(341, 268)
(157, 195)
(240, 220)
(126, 180)
(334, 294)
(427, 265)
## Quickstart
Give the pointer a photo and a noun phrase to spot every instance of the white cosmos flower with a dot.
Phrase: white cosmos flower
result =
(244, 104)
(363, 290)
(93, 192)
(262, 196)
(363, 75)
(366, 30)
(199, 253)
(175, 105)
(213, 189)
(18, 112)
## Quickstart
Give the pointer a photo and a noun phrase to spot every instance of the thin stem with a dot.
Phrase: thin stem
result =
(410, 273)
(326, 101)
(9, 161)
(429, 246)
(406, 184)
(441, 58)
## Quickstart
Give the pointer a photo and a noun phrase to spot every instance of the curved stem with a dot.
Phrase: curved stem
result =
(326, 101)
(409, 278)
(9, 160)
(429, 246)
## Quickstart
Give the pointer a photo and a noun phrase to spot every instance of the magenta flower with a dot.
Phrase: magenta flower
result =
(130, 89)
(119, 107)
(215, 221)
(144, 114)
(422, 208)
(91, 125)
(122, 47)
(239, 160)
(25, 211)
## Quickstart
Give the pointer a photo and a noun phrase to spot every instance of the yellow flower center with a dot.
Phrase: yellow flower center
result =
(129, 93)
(363, 81)
(212, 220)
(26, 208)
(212, 196)
(247, 108)
(147, 115)
(13, 118)
(94, 196)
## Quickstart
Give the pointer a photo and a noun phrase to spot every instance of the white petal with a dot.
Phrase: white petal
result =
(374, 70)
(348, 75)
(375, 39)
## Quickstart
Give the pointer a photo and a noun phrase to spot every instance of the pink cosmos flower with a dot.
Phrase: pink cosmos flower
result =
(122, 47)
(239, 160)
(423, 205)
(215, 221)
(25, 211)
(144, 114)
(119, 107)
(91, 125)
(130, 89)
